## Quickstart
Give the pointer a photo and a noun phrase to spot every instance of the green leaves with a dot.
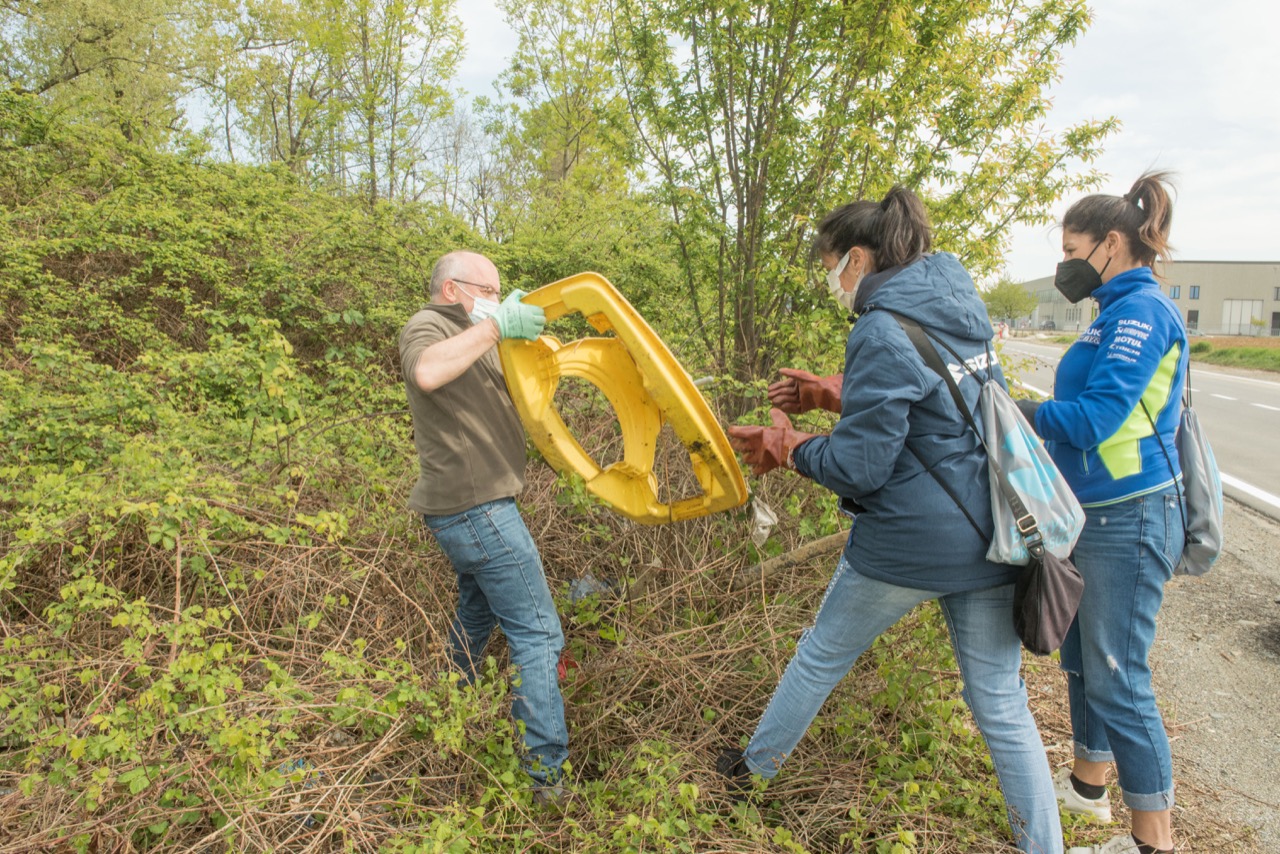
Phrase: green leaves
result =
(1008, 301)
(778, 112)
(206, 571)
(94, 59)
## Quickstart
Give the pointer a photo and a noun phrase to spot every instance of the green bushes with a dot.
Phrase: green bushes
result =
(212, 739)
(222, 631)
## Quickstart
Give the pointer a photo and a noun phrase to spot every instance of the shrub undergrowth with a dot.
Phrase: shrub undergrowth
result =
(222, 631)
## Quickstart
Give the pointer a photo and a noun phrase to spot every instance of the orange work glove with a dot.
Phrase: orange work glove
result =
(767, 448)
(801, 391)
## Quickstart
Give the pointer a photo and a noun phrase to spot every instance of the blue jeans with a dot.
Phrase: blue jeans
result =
(1126, 553)
(854, 612)
(500, 581)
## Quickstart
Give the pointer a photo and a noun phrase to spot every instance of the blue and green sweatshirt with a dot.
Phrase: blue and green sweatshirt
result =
(1094, 427)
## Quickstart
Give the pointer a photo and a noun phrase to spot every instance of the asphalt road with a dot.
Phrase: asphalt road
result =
(1240, 412)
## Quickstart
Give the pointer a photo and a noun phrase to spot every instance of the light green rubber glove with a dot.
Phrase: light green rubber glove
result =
(516, 319)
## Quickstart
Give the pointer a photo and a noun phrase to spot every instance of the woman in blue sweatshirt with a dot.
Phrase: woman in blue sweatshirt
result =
(910, 542)
(1110, 427)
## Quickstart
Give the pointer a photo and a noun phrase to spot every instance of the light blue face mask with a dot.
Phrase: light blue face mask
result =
(838, 293)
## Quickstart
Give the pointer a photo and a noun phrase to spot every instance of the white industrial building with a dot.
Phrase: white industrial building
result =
(1214, 298)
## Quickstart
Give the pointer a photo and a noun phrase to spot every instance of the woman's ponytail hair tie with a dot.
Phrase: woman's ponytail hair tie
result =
(1143, 218)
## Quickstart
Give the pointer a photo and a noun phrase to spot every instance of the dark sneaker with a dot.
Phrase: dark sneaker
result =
(731, 765)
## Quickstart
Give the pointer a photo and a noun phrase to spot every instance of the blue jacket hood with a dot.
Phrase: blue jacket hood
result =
(935, 291)
(897, 417)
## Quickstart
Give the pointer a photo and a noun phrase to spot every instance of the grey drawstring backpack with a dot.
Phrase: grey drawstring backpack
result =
(1199, 491)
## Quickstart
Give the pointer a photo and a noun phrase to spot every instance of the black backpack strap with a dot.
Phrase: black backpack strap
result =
(949, 491)
(920, 338)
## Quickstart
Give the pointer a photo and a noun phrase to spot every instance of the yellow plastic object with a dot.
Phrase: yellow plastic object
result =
(646, 387)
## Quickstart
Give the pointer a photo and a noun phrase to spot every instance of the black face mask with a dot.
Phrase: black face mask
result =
(1076, 278)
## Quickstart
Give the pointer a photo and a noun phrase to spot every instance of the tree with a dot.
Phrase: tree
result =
(123, 64)
(402, 54)
(1007, 300)
(566, 158)
(573, 120)
(758, 117)
(560, 128)
(280, 79)
(347, 91)
(469, 176)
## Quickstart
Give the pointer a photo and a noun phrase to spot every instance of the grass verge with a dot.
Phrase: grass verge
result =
(1261, 354)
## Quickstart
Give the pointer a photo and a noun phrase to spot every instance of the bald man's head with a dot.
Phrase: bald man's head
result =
(462, 266)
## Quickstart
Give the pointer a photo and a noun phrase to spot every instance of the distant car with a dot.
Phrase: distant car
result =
(1048, 324)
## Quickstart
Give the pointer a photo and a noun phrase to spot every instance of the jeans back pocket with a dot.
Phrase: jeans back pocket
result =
(459, 540)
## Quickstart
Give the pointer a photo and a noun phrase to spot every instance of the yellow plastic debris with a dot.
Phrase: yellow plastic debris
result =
(646, 387)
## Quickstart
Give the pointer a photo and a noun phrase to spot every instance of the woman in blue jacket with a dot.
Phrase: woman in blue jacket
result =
(1110, 427)
(909, 542)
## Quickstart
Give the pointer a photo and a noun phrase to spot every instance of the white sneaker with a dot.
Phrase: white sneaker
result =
(1118, 845)
(1074, 802)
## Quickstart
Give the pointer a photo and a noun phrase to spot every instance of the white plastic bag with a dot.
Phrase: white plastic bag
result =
(1015, 448)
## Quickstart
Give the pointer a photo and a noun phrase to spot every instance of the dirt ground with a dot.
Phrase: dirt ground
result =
(1217, 667)
(1217, 660)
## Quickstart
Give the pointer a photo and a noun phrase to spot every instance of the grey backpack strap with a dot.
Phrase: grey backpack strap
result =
(1177, 482)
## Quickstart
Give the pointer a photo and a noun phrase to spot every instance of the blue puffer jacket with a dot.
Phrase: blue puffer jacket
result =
(1095, 428)
(910, 533)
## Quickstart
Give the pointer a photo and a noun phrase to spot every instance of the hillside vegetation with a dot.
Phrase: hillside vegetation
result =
(223, 631)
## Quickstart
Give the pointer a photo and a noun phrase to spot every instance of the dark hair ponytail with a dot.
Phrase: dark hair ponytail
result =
(896, 229)
(1143, 215)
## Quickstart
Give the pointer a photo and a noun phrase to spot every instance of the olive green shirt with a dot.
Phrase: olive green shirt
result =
(471, 445)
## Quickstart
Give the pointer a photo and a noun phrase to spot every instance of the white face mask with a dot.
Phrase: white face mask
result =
(845, 298)
(482, 308)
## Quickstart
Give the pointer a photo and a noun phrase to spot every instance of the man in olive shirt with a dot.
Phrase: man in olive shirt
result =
(471, 452)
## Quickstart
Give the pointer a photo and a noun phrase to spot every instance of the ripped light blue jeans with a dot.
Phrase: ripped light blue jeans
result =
(854, 612)
(1126, 553)
(500, 580)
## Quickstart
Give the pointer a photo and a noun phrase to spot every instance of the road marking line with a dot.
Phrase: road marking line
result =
(1264, 406)
(1235, 378)
(1201, 367)
(1222, 396)
(1250, 489)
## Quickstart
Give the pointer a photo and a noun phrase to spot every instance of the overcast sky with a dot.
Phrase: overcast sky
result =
(1195, 84)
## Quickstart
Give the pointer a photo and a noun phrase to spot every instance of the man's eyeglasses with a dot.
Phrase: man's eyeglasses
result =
(486, 291)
